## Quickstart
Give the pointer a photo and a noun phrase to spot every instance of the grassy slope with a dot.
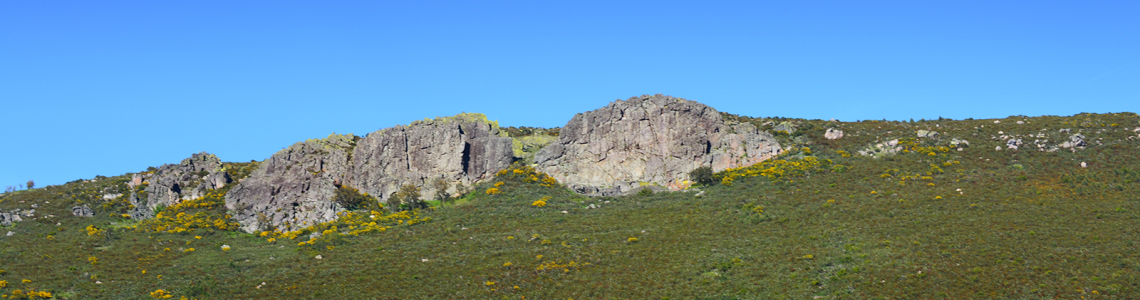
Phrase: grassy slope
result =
(1026, 225)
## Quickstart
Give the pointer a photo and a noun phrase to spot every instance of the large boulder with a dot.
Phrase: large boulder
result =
(170, 183)
(294, 187)
(649, 140)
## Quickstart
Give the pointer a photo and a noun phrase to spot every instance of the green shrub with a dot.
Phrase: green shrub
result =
(351, 198)
(703, 176)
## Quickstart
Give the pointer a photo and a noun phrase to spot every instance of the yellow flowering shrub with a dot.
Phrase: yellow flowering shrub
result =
(207, 212)
(776, 169)
(160, 294)
(93, 231)
(524, 174)
(350, 223)
(540, 202)
(492, 191)
(3, 284)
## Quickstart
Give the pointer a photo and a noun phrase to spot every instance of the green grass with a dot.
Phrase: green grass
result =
(1026, 225)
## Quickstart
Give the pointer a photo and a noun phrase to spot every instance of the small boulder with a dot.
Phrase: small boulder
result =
(959, 143)
(1013, 143)
(833, 134)
(82, 211)
(10, 233)
(927, 134)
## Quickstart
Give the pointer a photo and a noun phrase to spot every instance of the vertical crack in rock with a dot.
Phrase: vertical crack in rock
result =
(465, 149)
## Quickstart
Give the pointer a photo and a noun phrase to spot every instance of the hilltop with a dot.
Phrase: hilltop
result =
(649, 197)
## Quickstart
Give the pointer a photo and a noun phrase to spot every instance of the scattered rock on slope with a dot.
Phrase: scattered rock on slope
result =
(649, 140)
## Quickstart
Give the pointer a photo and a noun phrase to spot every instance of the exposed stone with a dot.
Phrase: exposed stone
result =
(464, 149)
(10, 233)
(959, 143)
(1076, 140)
(927, 134)
(881, 149)
(7, 219)
(294, 187)
(170, 184)
(833, 134)
(649, 140)
(82, 211)
(1013, 143)
(785, 127)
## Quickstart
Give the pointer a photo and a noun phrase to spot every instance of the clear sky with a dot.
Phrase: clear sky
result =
(108, 87)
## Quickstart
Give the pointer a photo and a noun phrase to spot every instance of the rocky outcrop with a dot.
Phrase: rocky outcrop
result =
(170, 184)
(927, 134)
(7, 218)
(295, 187)
(653, 140)
(833, 134)
(82, 211)
(465, 149)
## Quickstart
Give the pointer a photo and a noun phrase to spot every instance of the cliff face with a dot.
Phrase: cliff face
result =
(460, 149)
(295, 187)
(649, 140)
(170, 184)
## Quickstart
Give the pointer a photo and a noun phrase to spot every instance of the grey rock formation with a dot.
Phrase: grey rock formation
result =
(833, 134)
(1013, 143)
(927, 134)
(82, 211)
(785, 127)
(1076, 140)
(170, 184)
(7, 218)
(654, 140)
(294, 187)
(465, 149)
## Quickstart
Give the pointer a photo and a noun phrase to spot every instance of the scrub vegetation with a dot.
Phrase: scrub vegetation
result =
(927, 219)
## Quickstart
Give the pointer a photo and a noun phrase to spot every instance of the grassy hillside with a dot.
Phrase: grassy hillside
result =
(927, 222)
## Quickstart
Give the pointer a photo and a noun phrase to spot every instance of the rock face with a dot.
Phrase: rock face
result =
(649, 140)
(295, 187)
(170, 184)
(461, 149)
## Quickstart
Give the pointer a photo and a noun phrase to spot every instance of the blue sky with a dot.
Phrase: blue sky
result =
(108, 87)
